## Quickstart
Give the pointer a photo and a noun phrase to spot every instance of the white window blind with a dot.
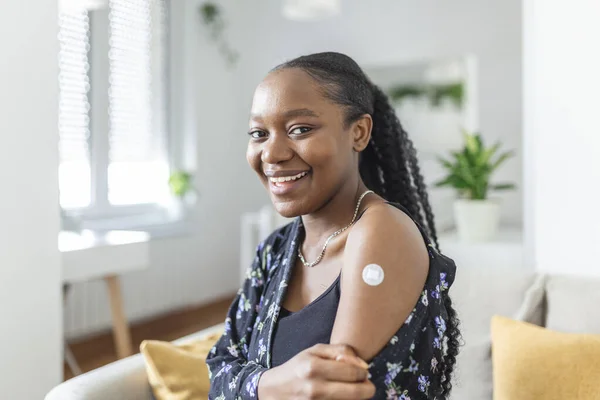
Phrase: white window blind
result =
(129, 159)
(137, 170)
(74, 107)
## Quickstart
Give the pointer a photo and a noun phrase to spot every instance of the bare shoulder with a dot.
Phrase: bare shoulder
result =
(385, 236)
(384, 229)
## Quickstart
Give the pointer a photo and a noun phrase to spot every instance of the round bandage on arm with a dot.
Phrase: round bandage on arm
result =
(373, 275)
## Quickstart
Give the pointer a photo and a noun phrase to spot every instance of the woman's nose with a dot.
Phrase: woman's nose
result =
(276, 150)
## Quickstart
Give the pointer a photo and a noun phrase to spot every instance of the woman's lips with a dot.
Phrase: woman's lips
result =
(281, 185)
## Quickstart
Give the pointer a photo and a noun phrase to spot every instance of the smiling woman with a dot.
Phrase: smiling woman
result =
(327, 146)
(295, 129)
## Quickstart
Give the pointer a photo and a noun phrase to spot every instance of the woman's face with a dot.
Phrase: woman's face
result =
(299, 145)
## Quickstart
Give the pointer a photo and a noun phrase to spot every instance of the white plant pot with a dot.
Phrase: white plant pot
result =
(477, 220)
(178, 208)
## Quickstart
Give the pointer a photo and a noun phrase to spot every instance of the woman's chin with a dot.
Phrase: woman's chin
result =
(288, 209)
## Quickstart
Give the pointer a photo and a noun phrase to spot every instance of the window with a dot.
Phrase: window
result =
(113, 143)
(74, 108)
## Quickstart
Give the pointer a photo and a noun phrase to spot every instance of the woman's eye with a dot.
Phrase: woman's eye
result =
(257, 134)
(300, 130)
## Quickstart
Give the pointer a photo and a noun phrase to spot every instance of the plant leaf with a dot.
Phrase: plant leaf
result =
(454, 181)
(503, 157)
(487, 154)
(447, 164)
(464, 170)
(401, 92)
(459, 183)
(470, 142)
(180, 183)
(442, 182)
(210, 12)
(503, 186)
(479, 141)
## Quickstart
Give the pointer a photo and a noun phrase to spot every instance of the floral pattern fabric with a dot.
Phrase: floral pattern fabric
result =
(404, 369)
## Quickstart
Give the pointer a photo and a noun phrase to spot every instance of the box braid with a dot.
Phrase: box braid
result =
(388, 165)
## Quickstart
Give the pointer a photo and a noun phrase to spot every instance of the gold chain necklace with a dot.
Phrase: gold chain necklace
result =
(334, 234)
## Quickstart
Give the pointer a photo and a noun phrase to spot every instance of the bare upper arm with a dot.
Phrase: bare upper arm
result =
(368, 316)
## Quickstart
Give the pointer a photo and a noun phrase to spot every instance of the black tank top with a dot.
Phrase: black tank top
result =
(313, 324)
(297, 331)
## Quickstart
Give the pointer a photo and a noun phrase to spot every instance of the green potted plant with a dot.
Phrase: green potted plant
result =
(436, 94)
(469, 172)
(180, 183)
(182, 193)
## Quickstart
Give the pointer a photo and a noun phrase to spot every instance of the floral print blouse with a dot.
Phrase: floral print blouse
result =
(404, 369)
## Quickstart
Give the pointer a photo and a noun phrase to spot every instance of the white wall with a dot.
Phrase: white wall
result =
(211, 104)
(30, 290)
(562, 135)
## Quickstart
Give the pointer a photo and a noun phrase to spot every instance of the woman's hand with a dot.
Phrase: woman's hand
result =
(320, 372)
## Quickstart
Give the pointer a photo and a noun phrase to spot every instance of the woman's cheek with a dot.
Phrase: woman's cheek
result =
(253, 157)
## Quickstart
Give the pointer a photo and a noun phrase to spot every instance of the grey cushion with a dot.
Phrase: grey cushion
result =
(478, 294)
(533, 308)
(472, 379)
(572, 304)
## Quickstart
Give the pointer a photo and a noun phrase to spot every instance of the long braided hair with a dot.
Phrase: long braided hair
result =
(388, 165)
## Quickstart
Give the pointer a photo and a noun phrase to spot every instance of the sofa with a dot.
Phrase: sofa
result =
(560, 303)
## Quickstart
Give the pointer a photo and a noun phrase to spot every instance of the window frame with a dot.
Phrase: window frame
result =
(100, 215)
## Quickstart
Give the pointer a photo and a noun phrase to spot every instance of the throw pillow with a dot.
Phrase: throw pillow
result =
(531, 362)
(178, 372)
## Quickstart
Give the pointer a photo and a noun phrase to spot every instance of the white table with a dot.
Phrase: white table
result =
(89, 256)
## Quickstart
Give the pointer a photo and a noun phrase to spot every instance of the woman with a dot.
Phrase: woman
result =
(357, 277)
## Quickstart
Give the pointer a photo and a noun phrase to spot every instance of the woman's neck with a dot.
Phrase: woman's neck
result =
(335, 214)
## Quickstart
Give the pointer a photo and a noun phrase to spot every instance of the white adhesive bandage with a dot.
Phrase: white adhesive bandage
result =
(373, 275)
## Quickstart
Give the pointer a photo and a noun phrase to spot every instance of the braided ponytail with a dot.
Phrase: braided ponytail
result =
(392, 159)
(388, 165)
(392, 152)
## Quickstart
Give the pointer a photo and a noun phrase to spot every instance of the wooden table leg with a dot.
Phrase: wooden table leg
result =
(121, 332)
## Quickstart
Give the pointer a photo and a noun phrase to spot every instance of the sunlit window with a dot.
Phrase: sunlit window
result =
(74, 108)
(121, 160)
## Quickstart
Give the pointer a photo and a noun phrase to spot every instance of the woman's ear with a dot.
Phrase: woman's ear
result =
(361, 132)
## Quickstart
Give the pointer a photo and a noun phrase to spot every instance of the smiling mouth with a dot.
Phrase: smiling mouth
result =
(283, 179)
(284, 185)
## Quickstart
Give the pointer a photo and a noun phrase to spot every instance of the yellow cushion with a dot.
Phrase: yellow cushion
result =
(178, 372)
(531, 362)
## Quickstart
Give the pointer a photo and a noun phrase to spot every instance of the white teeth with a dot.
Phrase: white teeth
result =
(287, 178)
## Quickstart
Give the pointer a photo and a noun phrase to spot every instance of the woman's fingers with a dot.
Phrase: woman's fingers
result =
(342, 390)
(339, 352)
(335, 372)
(354, 360)
(328, 370)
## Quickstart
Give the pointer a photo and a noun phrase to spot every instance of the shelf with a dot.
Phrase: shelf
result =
(505, 237)
(506, 250)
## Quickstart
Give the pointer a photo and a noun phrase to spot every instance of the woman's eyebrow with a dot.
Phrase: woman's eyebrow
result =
(299, 112)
